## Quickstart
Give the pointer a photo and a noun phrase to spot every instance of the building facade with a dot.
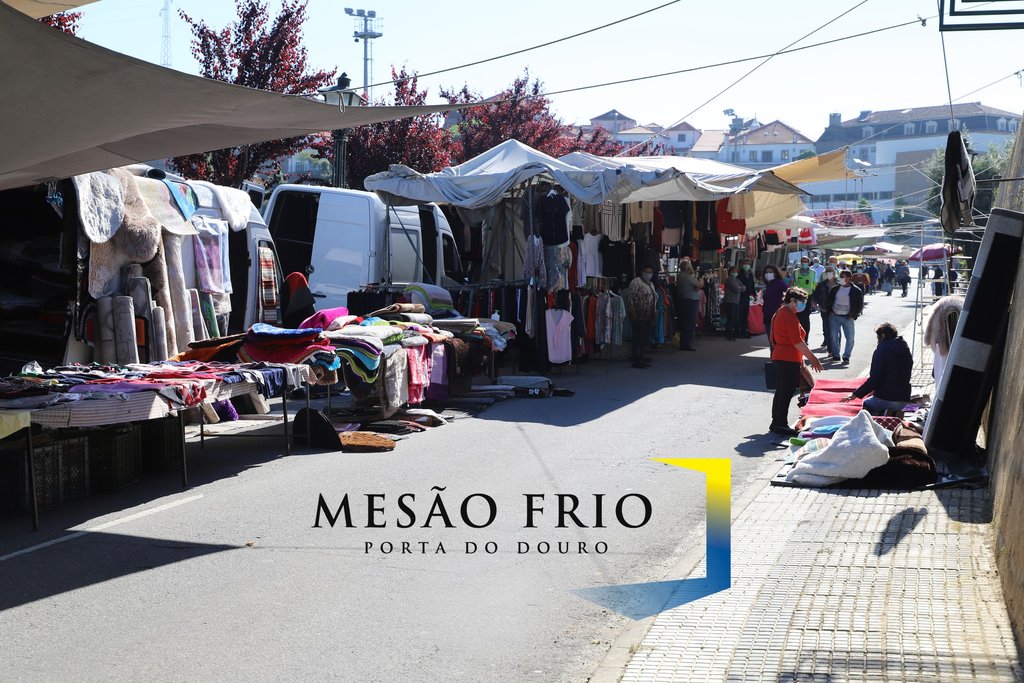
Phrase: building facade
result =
(889, 149)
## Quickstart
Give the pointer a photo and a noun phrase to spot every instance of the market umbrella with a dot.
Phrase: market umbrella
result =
(935, 252)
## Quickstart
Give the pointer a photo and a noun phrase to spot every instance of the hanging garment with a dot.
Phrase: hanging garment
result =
(593, 260)
(958, 186)
(533, 262)
(269, 299)
(559, 326)
(555, 218)
(558, 259)
(727, 224)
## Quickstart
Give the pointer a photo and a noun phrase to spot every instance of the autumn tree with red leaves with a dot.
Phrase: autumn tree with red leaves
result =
(64, 21)
(524, 114)
(256, 52)
(420, 142)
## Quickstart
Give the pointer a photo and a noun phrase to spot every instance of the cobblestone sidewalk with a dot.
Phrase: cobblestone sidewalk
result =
(845, 585)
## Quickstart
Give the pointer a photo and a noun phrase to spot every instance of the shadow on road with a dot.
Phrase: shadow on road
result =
(95, 558)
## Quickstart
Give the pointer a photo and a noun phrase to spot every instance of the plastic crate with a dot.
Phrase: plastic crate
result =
(61, 465)
(164, 445)
(115, 455)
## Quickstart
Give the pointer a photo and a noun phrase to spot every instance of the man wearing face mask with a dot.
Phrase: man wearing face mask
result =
(805, 279)
(845, 304)
(819, 300)
(746, 278)
(641, 299)
(817, 268)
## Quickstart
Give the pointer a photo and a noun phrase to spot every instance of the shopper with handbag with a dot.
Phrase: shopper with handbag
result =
(789, 348)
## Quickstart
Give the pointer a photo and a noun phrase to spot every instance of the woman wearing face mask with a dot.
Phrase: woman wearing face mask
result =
(845, 304)
(774, 289)
(789, 350)
(734, 290)
(819, 300)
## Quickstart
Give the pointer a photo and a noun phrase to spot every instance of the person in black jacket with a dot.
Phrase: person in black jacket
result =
(845, 304)
(819, 299)
(746, 277)
(889, 381)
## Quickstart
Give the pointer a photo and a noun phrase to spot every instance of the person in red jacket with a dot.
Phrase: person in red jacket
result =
(789, 349)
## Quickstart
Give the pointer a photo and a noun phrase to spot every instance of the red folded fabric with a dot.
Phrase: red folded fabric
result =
(826, 409)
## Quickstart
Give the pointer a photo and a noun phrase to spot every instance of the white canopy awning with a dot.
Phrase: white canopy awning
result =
(483, 180)
(71, 107)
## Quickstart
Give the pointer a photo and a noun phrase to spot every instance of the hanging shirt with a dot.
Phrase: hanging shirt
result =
(592, 259)
(559, 324)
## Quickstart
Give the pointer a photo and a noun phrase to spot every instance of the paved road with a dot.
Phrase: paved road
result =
(229, 580)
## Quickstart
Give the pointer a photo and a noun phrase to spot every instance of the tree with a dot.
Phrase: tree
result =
(420, 142)
(521, 113)
(806, 154)
(256, 52)
(64, 21)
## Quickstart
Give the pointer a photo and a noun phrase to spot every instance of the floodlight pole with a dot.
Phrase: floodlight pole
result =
(370, 30)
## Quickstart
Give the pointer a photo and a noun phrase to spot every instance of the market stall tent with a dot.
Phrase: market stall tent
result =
(672, 178)
(44, 8)
(71, 107)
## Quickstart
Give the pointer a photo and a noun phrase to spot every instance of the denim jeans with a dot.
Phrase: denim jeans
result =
(878, 406)
(844, 324)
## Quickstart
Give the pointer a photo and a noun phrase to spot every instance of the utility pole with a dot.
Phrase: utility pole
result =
(165, 38)
(368, 26)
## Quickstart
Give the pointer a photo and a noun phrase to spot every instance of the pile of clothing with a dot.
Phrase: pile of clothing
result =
(860, 452)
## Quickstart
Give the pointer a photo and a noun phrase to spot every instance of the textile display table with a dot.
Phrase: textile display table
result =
(88, 396)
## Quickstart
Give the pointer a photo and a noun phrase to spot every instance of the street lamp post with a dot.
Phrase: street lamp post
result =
(340, 95)
(369, 31)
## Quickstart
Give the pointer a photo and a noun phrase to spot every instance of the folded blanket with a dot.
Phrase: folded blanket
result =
(431, 297)
(857, 448)
(263, 331)
(399, 308)
(324, 318)
(822, 409)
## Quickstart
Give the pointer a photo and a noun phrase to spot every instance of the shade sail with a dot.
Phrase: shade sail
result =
(71, 107)
(820, 168)
(483, 180)
(44, 8)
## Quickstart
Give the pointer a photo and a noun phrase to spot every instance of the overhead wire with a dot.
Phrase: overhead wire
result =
(528, 49)
(744, 76)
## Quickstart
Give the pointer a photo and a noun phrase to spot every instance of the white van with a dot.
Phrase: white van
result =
(344, 239)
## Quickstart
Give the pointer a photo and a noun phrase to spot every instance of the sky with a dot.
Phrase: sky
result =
(892, 69)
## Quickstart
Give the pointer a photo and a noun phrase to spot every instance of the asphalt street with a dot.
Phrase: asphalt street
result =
(230, 580)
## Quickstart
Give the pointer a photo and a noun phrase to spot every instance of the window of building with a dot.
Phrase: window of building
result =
(784, 155)
(908, 128)
(867, 131)
(681, 137)
(766, 157)
(752, 156)
(885, 195)
(1013, 125)
(931, 126)
(954, 124)
(1000, 124)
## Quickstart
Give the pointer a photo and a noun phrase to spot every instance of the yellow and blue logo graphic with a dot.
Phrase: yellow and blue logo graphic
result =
(642, 600)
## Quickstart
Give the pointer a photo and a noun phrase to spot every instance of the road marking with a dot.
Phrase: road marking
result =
(101, 527)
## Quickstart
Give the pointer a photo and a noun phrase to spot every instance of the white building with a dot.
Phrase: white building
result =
(889, 148)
